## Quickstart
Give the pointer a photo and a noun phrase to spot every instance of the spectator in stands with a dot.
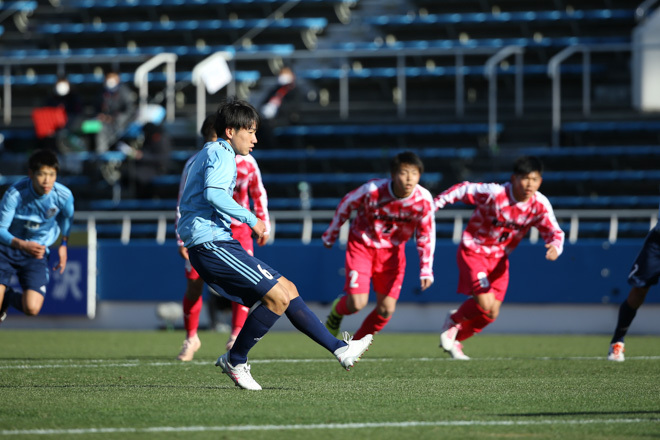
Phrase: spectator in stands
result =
(248, 185)
(389, 212)
(207, 208)
(502, 217)
(149, 161)
(65, 96)
(644, 273)
(33, 213)
(279, 106)
(58, 119)
(116, 110)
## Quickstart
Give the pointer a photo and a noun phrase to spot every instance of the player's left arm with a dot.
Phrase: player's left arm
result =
(551, 233)
(64, 220)
(425, 239)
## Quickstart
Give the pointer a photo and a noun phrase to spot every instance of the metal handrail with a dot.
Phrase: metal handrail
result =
(141, 80)
(554, 66)
(457, 216)
(9, 62)
(490, 72)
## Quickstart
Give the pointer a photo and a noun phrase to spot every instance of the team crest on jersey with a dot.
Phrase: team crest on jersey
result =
(51, 212)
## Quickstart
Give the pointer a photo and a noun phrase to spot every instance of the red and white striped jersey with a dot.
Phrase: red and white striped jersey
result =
(248, 184)
(499, 222)
(385, 221)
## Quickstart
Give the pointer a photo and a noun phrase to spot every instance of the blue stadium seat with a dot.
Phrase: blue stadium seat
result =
(610, 126)
(182, 51)
(632, 150)
(503, 17)
(362, 153)
(157, 26)
(89, 4)
(485, 42)
(440, 71)
(373, 129)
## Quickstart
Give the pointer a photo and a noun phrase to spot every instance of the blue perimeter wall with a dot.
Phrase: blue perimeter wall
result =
(587, 272)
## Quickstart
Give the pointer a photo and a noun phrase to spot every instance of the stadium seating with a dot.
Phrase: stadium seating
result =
(607, 159)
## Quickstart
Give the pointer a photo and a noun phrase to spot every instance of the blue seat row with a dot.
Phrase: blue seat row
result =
(481, 42)
(294, 178)
(182, 51)
(186, 25)
(440, 71)
(90, 78)
(502, 17)
(610, 126)
(105, 4)
(585, 176)
(133, 205)
(71, 181)
(378, 129)
(605, 202)
(574, 152)
(362, 153)
(23, 6)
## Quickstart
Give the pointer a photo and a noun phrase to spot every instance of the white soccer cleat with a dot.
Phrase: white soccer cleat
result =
(456, 352)
(240, 374)
(190, 346)
(349, 355)
(449, 332)
(616, 352)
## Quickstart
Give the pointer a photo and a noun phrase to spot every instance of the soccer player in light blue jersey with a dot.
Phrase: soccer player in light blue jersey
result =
(206, 209)
(33, 213)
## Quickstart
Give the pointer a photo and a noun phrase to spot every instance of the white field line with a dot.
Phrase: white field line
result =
(410, 424)
(100, 363)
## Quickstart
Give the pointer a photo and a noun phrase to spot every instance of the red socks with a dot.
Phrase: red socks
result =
(372, 324)
(191, 311)
(239, 314)
(472, 319)
(341, 308)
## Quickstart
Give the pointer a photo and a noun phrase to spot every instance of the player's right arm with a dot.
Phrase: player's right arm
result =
(347, 204)
(8, 206)
(466, 192)
(218, 176)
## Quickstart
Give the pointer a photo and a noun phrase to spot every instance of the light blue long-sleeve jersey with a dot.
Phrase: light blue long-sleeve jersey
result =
(29, 216)
(206, 204)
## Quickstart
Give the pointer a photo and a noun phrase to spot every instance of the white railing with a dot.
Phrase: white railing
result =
(160, 219)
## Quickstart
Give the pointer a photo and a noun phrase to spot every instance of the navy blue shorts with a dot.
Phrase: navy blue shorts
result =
(33, 273)
(646, 268)
(231, 271)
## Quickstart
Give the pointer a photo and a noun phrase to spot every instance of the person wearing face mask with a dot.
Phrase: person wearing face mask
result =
(116, 110)
(279, 106)
(66, 97)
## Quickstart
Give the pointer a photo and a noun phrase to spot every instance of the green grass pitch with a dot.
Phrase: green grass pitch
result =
(128, 385)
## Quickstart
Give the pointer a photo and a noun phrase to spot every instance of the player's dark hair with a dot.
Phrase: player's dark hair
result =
(208, 127)
(527, 164)
(43, 158)
(235, 113)
(407, 157)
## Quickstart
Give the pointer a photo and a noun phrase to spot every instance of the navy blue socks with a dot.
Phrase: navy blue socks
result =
(256, 326)
(307, 322)
(626, 316)
(14, 298)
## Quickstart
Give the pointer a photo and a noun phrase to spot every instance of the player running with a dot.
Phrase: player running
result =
(503, 214)
(33, 213)
(389, 212)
